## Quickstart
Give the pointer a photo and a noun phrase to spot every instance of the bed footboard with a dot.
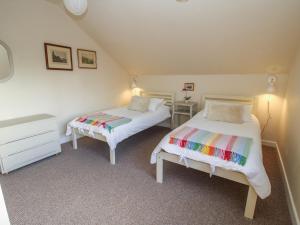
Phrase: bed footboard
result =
(75, 132)
(204, 167)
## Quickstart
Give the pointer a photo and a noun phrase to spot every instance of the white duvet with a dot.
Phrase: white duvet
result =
(253, 169)
(140, 121)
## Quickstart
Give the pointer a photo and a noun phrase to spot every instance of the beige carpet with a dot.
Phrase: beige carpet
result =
(81, 187)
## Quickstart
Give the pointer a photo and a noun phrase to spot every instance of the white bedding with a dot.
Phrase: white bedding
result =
(253, 169)
(140, 121)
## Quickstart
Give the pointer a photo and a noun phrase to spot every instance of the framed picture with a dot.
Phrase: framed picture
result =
(58, 57)
(87, 59)
(189, 86)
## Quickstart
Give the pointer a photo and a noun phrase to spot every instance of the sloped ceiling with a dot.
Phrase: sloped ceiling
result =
(197, 37)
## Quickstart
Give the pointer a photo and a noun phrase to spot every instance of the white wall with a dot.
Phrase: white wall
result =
(25, 26)
(245, 85)
(289, 140)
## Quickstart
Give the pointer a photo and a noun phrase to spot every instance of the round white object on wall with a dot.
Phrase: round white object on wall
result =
(6, 62)
(76, 7)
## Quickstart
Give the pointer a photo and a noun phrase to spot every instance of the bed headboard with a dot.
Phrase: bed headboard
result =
(237, 99)
(167, 96)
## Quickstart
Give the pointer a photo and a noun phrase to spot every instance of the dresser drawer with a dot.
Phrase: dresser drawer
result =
(26, 130)
(22, 145)
(29, 156)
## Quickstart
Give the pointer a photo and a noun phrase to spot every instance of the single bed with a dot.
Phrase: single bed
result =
(139, 122)
(252, 174)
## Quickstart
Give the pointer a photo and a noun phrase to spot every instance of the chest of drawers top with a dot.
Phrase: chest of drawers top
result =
(22, 120)
(25, 127)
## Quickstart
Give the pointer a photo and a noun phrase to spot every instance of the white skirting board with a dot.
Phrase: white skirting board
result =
(269, 143)
(65, 139)
(289, 195)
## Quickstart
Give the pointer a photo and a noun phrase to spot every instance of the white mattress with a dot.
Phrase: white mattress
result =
(253, 169)
(140, 121)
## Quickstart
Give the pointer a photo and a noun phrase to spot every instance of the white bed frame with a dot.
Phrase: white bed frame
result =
(204, 167)
(168, 97)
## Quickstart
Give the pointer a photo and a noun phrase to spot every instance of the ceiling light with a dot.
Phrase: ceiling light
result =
(76, 7)
(182, 0)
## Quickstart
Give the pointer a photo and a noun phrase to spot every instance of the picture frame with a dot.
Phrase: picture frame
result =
(87, 59)
(58, 57)
(189, 86)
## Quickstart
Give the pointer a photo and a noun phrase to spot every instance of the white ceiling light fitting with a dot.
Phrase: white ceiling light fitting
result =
(182, 1)
(76, 7)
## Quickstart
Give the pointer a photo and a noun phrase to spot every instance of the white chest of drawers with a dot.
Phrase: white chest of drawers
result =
(26, 140)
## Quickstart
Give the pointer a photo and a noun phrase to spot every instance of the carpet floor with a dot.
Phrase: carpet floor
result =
(81, 187)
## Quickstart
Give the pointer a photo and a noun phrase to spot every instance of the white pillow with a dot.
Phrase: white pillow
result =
(247, 115)
(154, 104)
(139, 103)
(225, 113)
(247, 108)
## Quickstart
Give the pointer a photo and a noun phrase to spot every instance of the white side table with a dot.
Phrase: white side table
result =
(183, 108)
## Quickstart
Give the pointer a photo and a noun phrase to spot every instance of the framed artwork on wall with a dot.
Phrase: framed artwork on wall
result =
(87, 59)
(58, 57)
(189, 86)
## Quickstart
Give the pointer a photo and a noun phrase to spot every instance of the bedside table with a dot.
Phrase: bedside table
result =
(183, 108)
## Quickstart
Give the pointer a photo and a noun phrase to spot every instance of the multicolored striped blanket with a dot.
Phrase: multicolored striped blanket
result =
(107, 121)
(227, 147)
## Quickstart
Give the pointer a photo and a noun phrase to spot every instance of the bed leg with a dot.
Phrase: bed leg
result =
(74, 137)
(159, 169)
(112, 154)
(251, 203)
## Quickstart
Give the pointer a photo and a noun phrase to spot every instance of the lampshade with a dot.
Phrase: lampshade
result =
(76, 7)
